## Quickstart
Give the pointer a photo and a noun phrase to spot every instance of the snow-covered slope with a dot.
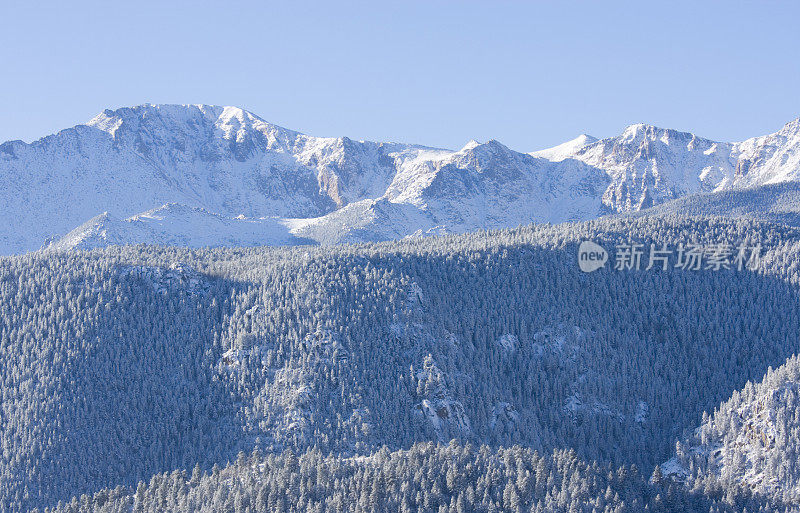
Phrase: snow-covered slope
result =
(178, 225)
(222, 163)
(175, 224)
(565, 150)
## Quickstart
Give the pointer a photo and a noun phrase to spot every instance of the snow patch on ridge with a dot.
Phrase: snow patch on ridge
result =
(565, 150)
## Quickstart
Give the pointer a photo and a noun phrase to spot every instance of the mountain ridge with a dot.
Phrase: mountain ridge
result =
(230, 162)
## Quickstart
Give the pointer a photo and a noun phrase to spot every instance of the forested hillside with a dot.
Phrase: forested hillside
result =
(127, 362)
(774, 203)
(427, 477)
(753, 439)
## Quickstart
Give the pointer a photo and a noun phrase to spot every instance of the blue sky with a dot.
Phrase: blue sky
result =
(439, 73)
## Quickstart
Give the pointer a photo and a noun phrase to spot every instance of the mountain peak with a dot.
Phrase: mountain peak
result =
(193, 120)
(641, 131)
(491, 144)
(237, 114)
(644, 128)
(638, 129)
(110, 120)
(565, 150)
(584, 139)
(174, 110)
(176, 113)
(471, 145)
(792, 127)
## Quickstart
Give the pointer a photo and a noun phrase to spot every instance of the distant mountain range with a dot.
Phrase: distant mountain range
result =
(198, 175)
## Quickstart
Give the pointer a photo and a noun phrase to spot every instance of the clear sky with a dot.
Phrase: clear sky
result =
(439, 73)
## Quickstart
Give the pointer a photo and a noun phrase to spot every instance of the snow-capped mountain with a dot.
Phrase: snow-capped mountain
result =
(231, 163)
(221, 159)
(201, 175)
(648, 165)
